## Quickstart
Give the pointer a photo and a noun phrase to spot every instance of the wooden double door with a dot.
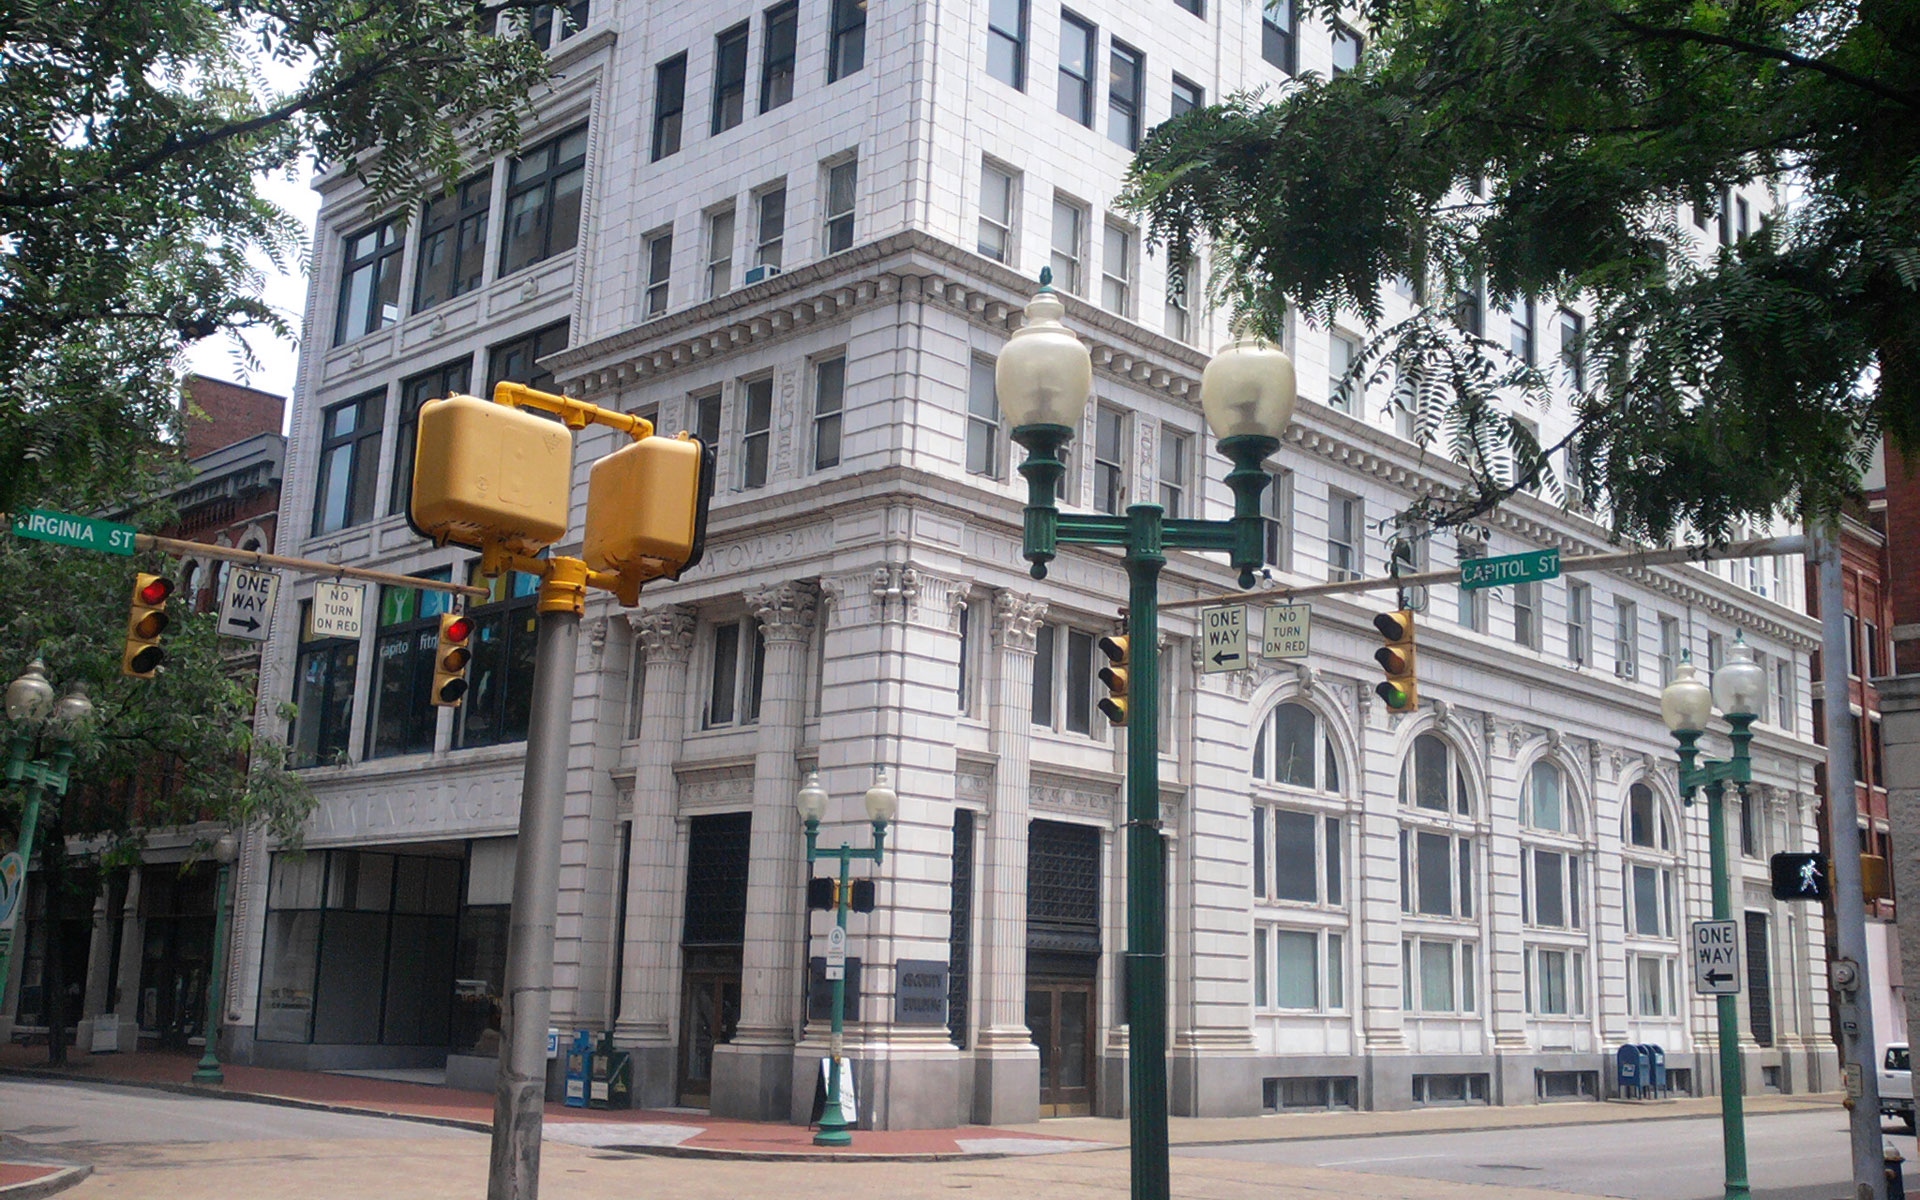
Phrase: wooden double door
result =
(1060, 1016)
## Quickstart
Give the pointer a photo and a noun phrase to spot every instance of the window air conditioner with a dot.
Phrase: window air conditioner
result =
(1623, 668)
(763, 272)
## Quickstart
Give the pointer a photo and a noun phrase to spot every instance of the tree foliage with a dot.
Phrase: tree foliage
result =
(1553, 149)
(131, 136)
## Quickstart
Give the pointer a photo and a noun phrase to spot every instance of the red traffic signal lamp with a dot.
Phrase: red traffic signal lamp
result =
(1401, 688)
(1114, 676)
(146, 621)
(450, 659)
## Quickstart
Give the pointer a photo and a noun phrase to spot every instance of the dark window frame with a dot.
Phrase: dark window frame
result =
(1280, 39)
(536, 346)
(508, 617)
(456, 225)
(846, 39)
(546, 181)
(415, 390)
(362, 446)
(380, 267)
(669, 105)
(407, 642)
(1014, 39)
(1126, 106)
(334, 659)
(1077, 86)
(729, 79)
(779, 54)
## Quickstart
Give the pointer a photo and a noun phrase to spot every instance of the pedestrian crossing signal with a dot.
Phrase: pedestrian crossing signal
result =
(862, 899)
(1114, 675)
(1799, 876)
(146, 621)
(820, 897)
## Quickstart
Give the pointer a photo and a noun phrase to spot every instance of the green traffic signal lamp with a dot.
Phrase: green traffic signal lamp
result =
(1401, 688)
(1113, 706)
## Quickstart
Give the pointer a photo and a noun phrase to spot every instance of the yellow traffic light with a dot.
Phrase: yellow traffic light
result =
(145, 623)
(647, 510)
(450, 659)
(1114, 675)
(1401, 690)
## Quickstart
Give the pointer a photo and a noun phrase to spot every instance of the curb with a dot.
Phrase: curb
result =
(838, 1156)
(46, 1185)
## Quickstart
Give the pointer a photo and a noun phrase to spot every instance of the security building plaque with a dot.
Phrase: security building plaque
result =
(919, 992)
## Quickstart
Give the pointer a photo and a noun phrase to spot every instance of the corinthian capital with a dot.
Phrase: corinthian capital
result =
(1016, 619)
(665, 633)
(785, 610)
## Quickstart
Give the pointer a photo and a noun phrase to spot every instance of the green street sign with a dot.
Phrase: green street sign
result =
(1511, 568)
(68, 530)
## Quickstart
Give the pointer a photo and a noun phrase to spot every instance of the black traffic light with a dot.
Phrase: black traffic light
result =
(862, 899)
(1114, 676)
(1800, 876)
(146, 621)
(450, 659)
(1401, 688)
(820, 896)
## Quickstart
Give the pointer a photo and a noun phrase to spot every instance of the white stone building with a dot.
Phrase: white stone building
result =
(1477, 903)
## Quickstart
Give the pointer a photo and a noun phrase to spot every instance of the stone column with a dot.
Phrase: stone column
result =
(93, 999)
(752, 1075)
(650, 965)
(1900, 746)
(1504, 1006)
(126, 1004)
(1006, 1085)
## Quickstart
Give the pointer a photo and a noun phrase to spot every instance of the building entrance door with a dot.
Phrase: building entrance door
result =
(1060, 1017)
(709, 1011)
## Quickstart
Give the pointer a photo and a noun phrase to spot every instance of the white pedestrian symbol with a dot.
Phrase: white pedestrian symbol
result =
(1809, 876)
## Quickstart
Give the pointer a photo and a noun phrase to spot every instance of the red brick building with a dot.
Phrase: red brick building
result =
(235, 446)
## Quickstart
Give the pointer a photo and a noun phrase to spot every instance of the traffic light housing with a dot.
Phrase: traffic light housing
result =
(820, 897)
(1401, 688)
(647, 506)
(451, 658)
(146, 621)
(1800, 876)
(1114, 676)
(862, 899)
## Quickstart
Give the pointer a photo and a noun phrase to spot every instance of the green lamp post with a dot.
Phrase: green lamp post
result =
(836, 1125)
(1045, 378)
(1740, 690)
(208, 1071)
(30, 706)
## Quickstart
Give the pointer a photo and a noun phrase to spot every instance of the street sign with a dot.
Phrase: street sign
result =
(1510, 568)
(836, 952)
(248, 604)
(65, 529)
(1286, 629)
(1716, 958)
(1223, 630)
(336, 610)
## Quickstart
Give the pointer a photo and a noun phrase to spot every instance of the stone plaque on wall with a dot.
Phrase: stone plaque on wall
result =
(919, 992)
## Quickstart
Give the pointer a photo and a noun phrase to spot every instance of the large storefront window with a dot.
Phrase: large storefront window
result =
(501, 676)
(323, 675)
(403, 716)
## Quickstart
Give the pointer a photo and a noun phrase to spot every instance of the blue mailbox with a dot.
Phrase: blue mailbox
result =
(579, 1068)
(1627, 1076)
(1644, 1053)
(1658, 1058)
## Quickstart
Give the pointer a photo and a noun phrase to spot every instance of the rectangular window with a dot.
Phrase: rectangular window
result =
(729, 78)
(1573, 351)
(659, 272)
(1064, 679)
(1472, 612)
(963, 685)
(669, 105)
(1278, 522)
(838, 231)
(323, 683)
(1187, 96)
(756, 431)
(1344, 532)
(706, 418)
(1669, 648)
(543, 201)
(1297, 955)
(1649, 986)
(1347, 48)
(1197, 7)
(1277, 40)
(1069, 225)
(439, 383)
(1179, 313)
(1788, 701)
(1750, 816)
(829, 393)
(500, 696)
(1076, 69)
(1579, 623)
(847, 39)
(738, 668)
(1296, 873)
(983, 421)
(719, 252)
(996, 213)
(1080, 681)
(453, 243)
(1007, 42)
(1343, 353)
(779, 35)
(1126, 95)
(1116, 270)
(519, 359)
(403, 718)
(1260, 967)
(1173, 472)
(1526, 615)
(1520, 329)
(1716, 651)
(570, 19)
(370, 281)
(1470, 308)
(1626, 639)
(1260, 851)
(770, 208)
(349, 462)
(1109, 460)
(1434, 873)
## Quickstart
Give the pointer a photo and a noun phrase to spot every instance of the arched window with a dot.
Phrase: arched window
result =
(1552, 893)
(1432, 780)
(1650, 885)
(1291, 749)
(1437, 873)
(190, 584)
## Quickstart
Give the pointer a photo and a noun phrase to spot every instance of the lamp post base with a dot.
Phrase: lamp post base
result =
(835, 1127)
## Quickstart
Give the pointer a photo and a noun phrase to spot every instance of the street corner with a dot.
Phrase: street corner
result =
(28, 1172)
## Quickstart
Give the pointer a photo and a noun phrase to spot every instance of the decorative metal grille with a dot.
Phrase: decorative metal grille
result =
(717, 855)
(960, 933)
(1063, 875)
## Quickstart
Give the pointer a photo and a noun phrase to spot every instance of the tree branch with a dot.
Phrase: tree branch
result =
(1760, 49)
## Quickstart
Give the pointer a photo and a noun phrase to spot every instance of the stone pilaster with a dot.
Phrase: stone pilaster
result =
(93, 998)
(1007, 1065)
(752, 1075)
(650, 964)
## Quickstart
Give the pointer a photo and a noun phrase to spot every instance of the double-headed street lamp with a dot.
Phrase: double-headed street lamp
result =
(1044, 379)
(30, 706)
(208, 1070)
(836, 1126)
(1740, 690)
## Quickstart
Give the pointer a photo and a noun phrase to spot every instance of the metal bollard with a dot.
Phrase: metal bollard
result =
(1896, 1180)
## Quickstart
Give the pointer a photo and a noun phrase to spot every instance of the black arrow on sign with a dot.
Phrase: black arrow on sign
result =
(250, 624)
(1716, 978)
(1221, 656)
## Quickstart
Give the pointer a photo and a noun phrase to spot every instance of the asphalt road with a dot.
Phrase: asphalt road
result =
(87, 1114)
(1790, 1156)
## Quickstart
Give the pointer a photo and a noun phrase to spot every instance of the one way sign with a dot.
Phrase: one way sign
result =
(1716, 958)
(248, 604)
(1224, 630)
